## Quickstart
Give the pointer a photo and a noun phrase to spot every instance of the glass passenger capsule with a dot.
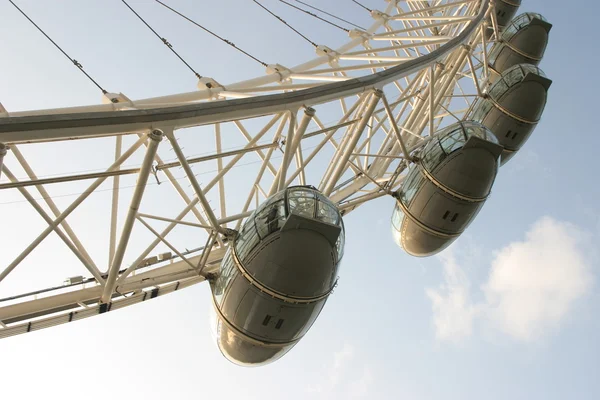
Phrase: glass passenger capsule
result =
(523, 41)
(276, 275)
(443, 192)
(505, 11)
(512, 106)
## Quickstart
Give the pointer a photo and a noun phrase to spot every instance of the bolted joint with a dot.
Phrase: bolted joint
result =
(358, 33)
(156, 135)
(205, 83)
(378, 93)
(379, 15)
(310, 111)
(329, 53)
(283, 72)
(118, 100)
(229, 234)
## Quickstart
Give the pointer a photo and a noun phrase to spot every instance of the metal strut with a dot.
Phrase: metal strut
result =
(155, 138)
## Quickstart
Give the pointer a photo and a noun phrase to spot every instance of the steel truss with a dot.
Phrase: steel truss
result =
(418, 67)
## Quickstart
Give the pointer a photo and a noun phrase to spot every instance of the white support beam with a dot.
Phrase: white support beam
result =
(159, 218)
(291, 147)
(351, 143)
(395, 128)
(52, 205)
(70, 209)
(258, 151)
(279, 181)
(173, 181)
(431, 98)
(254, 192)
(169, 245)
(222, 202)
(195, 200)
(84, 260)
(186, 109)
(208, 247)
(115, 205)
(212, 218)
(3, 150)
(155, 137)
(474, 75)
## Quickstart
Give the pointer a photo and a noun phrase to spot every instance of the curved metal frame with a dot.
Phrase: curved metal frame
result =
(27, 129)
(96, 121)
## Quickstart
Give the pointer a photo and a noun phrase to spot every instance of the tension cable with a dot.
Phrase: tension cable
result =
(75, 62)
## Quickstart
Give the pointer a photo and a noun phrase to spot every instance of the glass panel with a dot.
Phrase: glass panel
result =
(301, 192)
(498, 89)
(302, 205)
(453, 141)
(247, 240)
(339, 245)
(532, 69)
(432, 155)
(509, 32)
(226, 274)
(397, 217)
(513, 76)
(270, 219)
(327, 213)
(409, 188)
(481, 109)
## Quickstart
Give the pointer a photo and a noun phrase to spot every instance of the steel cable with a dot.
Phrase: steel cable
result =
(75, 62)
(212, 33)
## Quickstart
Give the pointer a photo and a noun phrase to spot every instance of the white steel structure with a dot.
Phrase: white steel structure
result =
(418, 67)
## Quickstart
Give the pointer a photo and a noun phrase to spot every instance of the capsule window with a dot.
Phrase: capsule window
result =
(279, 323)
(508, 133)
(446, 214)
(514, 135)
(454, 217)
(266, 320)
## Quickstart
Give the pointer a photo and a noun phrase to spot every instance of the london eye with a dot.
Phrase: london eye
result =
(245, 185)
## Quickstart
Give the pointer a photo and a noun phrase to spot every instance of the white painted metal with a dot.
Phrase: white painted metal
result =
(155, 138)
(412, 58)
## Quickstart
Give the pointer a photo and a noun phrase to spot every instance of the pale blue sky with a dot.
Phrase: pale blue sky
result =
(502, 314)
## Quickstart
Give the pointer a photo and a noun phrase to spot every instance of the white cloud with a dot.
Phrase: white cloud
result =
(344, 375)
(340, 361)
(361, 387)
(532, 286)
(453, 311)
(336, 372)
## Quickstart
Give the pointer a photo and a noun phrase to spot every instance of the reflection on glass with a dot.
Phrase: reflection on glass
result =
(481, 109)
(272, 214)
(414, 181)
(449, 140)
(498, 89)
(511, 77)
(397, 218)
(228, 272)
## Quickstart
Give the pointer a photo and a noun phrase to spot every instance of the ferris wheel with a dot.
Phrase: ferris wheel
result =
(425, 105)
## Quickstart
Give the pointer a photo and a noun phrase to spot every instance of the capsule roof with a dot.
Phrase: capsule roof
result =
(522, 21)
(451, 139)
(514, 76)
(305, 201)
